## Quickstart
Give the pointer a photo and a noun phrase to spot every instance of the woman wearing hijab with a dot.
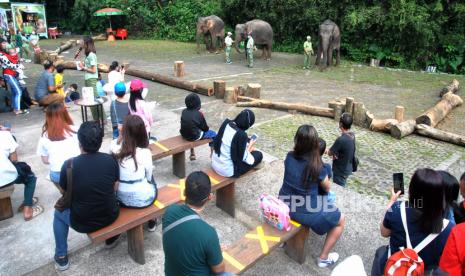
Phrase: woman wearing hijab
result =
(234, 152)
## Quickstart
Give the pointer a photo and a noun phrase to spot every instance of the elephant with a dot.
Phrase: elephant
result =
(212, 28)
(329, 40)
(262, 34)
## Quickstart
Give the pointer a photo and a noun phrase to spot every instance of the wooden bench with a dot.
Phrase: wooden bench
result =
(132, 220)
(260, 241)
(6, 210)
(175, 146)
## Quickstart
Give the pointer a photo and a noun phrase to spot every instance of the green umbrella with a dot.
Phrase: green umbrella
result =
(108, 12)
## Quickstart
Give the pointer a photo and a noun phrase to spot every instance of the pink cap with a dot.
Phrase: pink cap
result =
(137, 85)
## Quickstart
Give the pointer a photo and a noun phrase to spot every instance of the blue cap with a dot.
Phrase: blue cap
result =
(120, 89)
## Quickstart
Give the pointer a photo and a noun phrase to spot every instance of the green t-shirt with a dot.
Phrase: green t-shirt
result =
(308, 47)
(191, 247)
(91, 60)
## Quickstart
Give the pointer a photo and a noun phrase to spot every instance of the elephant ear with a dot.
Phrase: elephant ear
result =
(209, 23)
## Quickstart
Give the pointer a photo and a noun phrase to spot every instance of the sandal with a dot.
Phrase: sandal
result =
(34, 202)
(36, 210)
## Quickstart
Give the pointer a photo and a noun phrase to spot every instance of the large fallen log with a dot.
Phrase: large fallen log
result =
(382, 125)
(441, 135)
(307, 109)
(171, 81)
(453, 87)
(403, 129)
(438, 112)
(66, 46)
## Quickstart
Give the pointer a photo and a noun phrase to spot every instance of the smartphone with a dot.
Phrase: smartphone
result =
(254, 137)
(398, 179)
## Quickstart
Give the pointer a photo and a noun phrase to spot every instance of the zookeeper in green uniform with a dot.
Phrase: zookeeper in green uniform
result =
(250, 48)
(308, 50)
(228, 42)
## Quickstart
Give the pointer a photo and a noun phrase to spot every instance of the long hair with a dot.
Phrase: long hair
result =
(89, 45)
(306, 147)
(134, 136)
(114, 65)
(426, 194)
(58, 123)
(135, 95)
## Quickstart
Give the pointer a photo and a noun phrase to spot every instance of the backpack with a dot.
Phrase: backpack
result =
(275, 212)
(407, 262)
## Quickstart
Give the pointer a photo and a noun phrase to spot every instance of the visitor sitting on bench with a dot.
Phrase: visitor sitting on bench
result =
(234, 152)
(45, 92)
(424, 215)
(193, 124)
(93, 200)
(304, 174)
(14, 172)
(190, 244)
(136, 187)
(453, 257)
(459, 208)
(58, 141)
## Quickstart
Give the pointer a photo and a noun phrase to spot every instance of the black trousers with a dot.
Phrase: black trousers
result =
(243, 167)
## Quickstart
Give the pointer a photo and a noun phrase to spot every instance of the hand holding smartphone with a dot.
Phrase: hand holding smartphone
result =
(254, 137)
(398, 179)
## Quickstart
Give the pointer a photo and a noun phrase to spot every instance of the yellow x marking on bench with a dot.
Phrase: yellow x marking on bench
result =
(230, 259)
(159, 204)
(160, 145)
(213, 180)
(181, 187)
(260, 236)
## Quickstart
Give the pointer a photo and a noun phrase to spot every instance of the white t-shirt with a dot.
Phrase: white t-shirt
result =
(228, 41)
(223, 164)
(8, 171)
(114, 77)
(59, 151)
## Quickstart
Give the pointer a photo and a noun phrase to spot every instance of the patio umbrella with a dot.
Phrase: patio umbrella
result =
(108, 12)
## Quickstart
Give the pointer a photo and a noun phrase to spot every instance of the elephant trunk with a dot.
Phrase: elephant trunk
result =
(325, 49)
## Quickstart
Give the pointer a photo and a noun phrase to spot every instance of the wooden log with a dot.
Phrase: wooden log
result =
(307, 109)
(399, 113)
(382, 125)
(453, 87)
(338, 106)
(349, 105)
(241, 90)
(66, 46)
(52, 57)
(370, 117)
(438, 112)
(253, 90)
(359, 112)
(179, 69)
(403, 129)
(230, 95)
(441, 135)
(219, 88)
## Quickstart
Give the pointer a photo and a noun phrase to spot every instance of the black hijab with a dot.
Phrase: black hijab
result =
(241, 123)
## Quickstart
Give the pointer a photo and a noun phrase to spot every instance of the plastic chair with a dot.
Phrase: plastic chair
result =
(122, 33)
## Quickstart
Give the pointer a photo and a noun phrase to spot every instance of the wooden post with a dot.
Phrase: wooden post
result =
(359, 112)
(136, 244)
(399, 113)
(219, 88)
(403, 129)
(253, 90)
(230, 95)
(179, 164)
(179, 68)
(225, 199)
(295, 247)
(349, 105)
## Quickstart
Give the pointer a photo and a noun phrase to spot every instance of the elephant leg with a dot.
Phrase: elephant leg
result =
(214, 44)
(330, 56)
(338, 56)
(318, 56)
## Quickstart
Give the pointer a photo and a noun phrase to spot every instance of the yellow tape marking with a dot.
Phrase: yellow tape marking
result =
(213, 180)
(159, 204)
(233, 261)
(163, 148)
(262, 239)
(295, 223)
(181, 187)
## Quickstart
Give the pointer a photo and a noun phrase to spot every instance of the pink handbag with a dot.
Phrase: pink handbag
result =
(275, 212)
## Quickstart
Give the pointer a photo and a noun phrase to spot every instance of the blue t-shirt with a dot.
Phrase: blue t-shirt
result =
(432, 252)
(45, 80)
(292, 183)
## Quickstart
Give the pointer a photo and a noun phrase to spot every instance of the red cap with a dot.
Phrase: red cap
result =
(137, 85)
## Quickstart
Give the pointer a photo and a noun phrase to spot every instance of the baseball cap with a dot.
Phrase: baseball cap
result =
(137, 85)
(229, 33)
(120, 89)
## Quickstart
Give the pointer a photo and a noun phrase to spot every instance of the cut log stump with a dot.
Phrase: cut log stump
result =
(253, 90)
(179, 69)
(403, 129)
(349, 105)
(219, 88)
(230, 95)
(382, 125)
(359, 116)
(338, 107)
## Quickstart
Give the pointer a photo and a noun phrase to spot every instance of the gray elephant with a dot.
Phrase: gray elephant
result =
(262, 34)
(329, 40)
(212, 28)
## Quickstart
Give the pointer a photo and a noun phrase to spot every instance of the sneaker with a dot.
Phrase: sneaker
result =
(61, 264)
(153, 139)
(112, 242)
(152, 225)
(332, 259)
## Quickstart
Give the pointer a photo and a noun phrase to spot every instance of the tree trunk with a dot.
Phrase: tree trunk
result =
(441, 135)
(253, 90)
(382, 125)
(403, 129)
(349, 105)
(307, 109)
(219, 88)
(230, 95)
(438, 112)
(179, 69)
(399, 113)
(453, 87)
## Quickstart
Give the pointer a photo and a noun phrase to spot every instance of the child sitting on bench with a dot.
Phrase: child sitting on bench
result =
(193, 124)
